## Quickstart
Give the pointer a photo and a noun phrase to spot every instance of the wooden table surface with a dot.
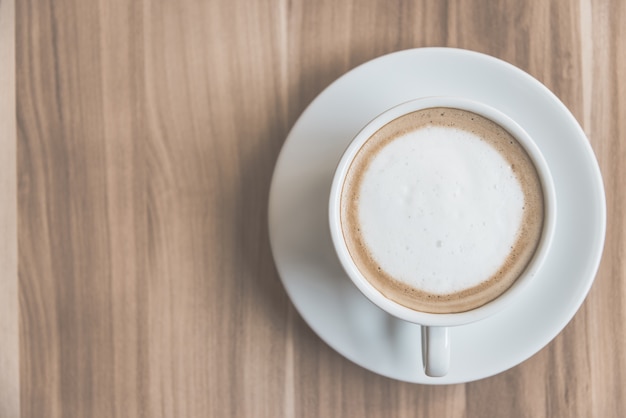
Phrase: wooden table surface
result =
(137, 143)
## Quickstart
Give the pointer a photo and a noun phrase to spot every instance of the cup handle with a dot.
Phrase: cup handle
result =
(435, 351)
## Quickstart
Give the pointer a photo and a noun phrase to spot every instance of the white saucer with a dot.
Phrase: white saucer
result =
(298, 223)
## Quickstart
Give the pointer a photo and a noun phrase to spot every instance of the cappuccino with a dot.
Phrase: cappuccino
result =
(441, 210)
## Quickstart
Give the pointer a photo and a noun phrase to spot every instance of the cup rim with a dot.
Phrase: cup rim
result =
(529, 273)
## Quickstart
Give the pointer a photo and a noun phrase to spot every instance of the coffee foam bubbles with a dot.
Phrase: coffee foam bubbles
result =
(440, 209)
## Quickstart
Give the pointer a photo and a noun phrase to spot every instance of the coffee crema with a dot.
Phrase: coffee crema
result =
(442, 210)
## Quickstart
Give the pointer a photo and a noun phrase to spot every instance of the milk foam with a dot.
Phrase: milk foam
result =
(440, 209)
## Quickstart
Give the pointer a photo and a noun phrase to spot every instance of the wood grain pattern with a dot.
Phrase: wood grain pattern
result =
(147, 133)
(9, 302)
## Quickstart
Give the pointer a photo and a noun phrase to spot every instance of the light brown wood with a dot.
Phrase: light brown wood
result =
(147, 133)
(9, 301)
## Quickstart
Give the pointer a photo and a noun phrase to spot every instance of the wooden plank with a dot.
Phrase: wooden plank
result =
(9, 300)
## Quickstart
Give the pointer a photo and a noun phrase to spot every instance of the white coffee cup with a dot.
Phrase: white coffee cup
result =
(435, 336)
